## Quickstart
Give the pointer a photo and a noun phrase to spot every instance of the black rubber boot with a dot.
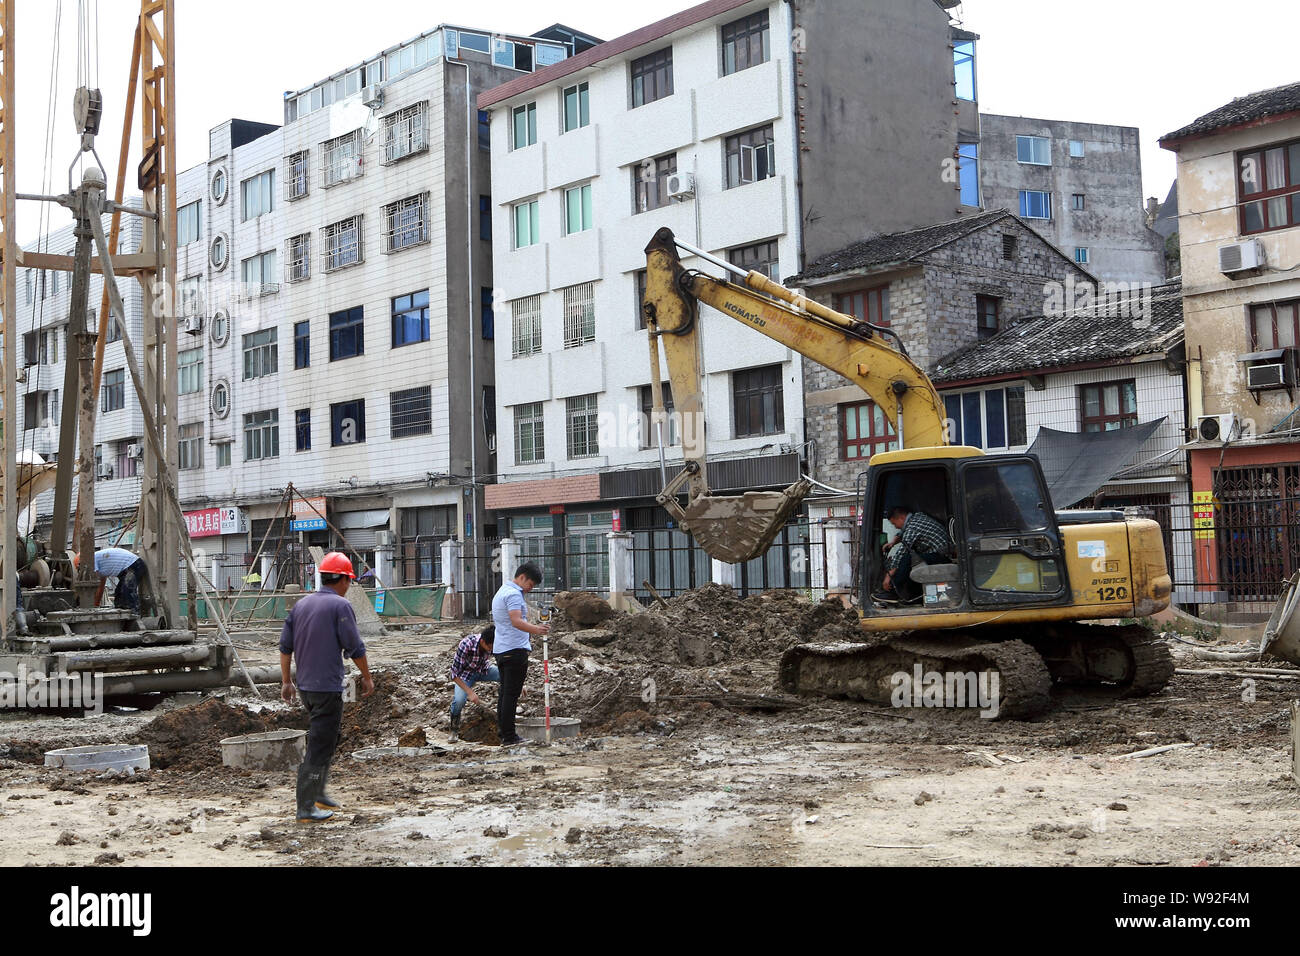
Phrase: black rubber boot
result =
(310, 780)
(323, 800)
(455, 728)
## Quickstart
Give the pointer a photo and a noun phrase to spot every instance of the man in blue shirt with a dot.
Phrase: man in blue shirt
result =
(320, 631)
(133, 592)
(511, 647)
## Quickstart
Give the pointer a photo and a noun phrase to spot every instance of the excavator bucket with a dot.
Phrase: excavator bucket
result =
(738, 528)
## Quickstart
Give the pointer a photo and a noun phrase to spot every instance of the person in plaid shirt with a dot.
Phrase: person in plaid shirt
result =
(919, 535)
(472, 664)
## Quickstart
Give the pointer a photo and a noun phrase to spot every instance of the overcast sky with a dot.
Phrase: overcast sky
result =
(1154, 64)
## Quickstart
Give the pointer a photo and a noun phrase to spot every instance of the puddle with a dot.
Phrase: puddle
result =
(523, 842)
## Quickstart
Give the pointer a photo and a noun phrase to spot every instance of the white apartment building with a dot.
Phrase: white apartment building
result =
(685, 125)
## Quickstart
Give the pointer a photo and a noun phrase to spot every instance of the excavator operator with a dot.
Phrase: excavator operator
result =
(919, 535)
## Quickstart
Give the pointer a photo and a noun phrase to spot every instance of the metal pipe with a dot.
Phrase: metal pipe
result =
(707, 257)
(186, 680)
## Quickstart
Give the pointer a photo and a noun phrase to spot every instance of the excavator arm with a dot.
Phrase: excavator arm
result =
(739, 528)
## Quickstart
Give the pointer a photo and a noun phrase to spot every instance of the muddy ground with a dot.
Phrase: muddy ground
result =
(719, 768)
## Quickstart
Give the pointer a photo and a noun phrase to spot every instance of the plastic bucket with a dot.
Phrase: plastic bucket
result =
(273, 750)
(534, 728)
(107, 757)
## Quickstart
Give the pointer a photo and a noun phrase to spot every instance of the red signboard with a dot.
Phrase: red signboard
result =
(203, 524)
(557, 509)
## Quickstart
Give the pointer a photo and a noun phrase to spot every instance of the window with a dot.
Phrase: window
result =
(867, 305)
(1268, 186)
(191, 295)
(341, 159)
(406, 223)
(1081, 255)
(639, 280)
(1035, 204)
(1274, 326)
(650, 183)
(299, 254)
(994, 418)
(223, 455)
(527, 226)
(190, 365)
(262, 435)
(1034, 150)
(1008, 246)
(751, 156)
(302, 429)
(411, 319)
(1108, 407)
(410, 412)
(581, 417)
(652, 77)
(187, 226)
(261, 354)
(484, 131)
(864, 432)
(526, 326)
(257, 194)
(113, 391)
(524, 126)
(33, 349)
(758, 398)
(296, 176)
(987, 310)
(221, 400)
(218, 254)
(259, 275)
(189, 447)
(40, 409)
(579, 315)
(968, 173)
(760, 257)
(1076, 149)
(114, 331)
(348, 423)
(485, 218)
(406, 132)
(487, 318)
(650, 433)
(347, 333)
(745, 43)
(577, 108)
(963, 62)
(302, 345)
(577, 209)
(422, 530)
(127, 465)
(530, 436)
(342, 244)
(1078, 201)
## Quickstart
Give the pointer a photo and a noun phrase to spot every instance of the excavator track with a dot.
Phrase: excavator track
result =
(1128, 660)
(876, 672)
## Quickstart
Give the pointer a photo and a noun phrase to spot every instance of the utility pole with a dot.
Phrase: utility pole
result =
(8, 310)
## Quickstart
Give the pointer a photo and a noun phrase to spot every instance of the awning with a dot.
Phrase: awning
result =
(346, 520)
(1076, 464)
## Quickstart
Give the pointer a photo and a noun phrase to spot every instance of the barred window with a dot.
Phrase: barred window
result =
(411, 412)
(582, 429)
(341, 244)
(299, 256)
(406, 132)
(579, 315)
(526, 321)
(190, 447)
(406, 223)
(262, 435)
(296, 176)
(530, 434)
(190, 365)
(261, 354)
(341, 159)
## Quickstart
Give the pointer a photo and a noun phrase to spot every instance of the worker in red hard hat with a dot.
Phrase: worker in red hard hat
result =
(319, 632)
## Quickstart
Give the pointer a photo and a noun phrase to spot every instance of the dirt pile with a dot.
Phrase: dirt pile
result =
(189, 738)
(583, 609)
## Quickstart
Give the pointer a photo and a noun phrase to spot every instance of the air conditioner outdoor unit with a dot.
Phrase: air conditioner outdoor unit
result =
(1218, 427)
(1271, 375)
(104, 472)
(135, 452)
(194, 324)
(681, 186)
(1241, 256)
(373, 95)
(383, 539)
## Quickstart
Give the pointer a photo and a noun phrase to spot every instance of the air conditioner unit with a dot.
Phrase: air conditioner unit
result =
(383, 539)
(1241, 256)
(194, 324)
(1269, 375)
(135, 452)
(373, 95)
(681, 186)
(1218, 427)
(103, 472)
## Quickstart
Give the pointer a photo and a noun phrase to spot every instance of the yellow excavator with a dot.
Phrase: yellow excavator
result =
(1018, 583)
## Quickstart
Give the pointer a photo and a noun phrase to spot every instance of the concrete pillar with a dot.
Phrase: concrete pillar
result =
(452, 552)
(838, 555)
(510, 559)
(622, 570)
(214, 572)
(728, 574)
(384, 566)
(268, 572)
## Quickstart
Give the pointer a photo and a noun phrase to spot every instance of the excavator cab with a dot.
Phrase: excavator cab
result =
(1003, 547)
